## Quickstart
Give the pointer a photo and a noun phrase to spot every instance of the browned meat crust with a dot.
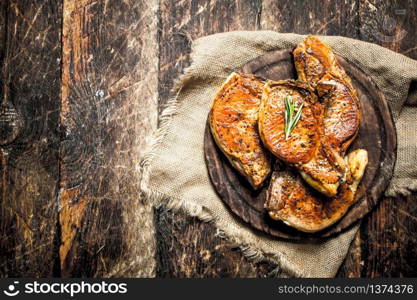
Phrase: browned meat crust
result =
(306, 146)
(289, 198)
(313, 59)
(233, 122)
(292, 202)
(342, 113)
(316, 63)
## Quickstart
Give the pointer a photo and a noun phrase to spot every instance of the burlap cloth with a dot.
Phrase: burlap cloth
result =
(175, 174)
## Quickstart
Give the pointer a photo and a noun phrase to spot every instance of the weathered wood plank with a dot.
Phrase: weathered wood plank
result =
(188, 247)
(311, 17)
(109, 108)
(109, 89)
(30, 54)
(388, 236)
(390, 24)
(190, 241)
(181, 22)
(3, 32)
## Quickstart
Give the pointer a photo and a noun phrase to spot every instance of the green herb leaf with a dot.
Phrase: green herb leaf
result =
(290, 120)
(297, 116)
(287, 116)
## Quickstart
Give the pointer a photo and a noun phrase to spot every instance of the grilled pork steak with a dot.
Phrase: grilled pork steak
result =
(316, 63)
(292, 202)
(289, 198)
(342, 113)
(306, 146)
(308, 124)
(233, 122)
(313, 59)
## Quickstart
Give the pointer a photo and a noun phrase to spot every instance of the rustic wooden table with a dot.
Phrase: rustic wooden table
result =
(82, 85)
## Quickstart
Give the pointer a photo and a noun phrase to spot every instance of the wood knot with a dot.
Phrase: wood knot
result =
(11, 124)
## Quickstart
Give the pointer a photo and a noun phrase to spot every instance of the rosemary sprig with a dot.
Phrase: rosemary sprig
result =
(291, 120)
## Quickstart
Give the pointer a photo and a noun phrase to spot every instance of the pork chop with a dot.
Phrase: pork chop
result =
(313, 59)
(342, 112)
(306, 147)
(316, 63)
(291, 201)
(233, 120)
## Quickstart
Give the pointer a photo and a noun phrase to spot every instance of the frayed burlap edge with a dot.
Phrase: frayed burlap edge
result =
(284, 268)
(395, 189)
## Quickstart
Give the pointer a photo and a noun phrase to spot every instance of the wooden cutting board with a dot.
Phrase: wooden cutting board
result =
(377, 134)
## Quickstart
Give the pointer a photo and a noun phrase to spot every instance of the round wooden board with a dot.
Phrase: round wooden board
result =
(377, 134)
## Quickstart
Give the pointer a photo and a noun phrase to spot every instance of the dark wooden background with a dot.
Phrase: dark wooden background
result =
(82, 84)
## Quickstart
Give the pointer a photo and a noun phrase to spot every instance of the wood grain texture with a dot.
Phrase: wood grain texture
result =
(200, 255)
(390, 25)
(318, 17)
(111, 61)
(376, 134)
(388, 236)
(181, 22)
(105, 229)
(29, 143)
